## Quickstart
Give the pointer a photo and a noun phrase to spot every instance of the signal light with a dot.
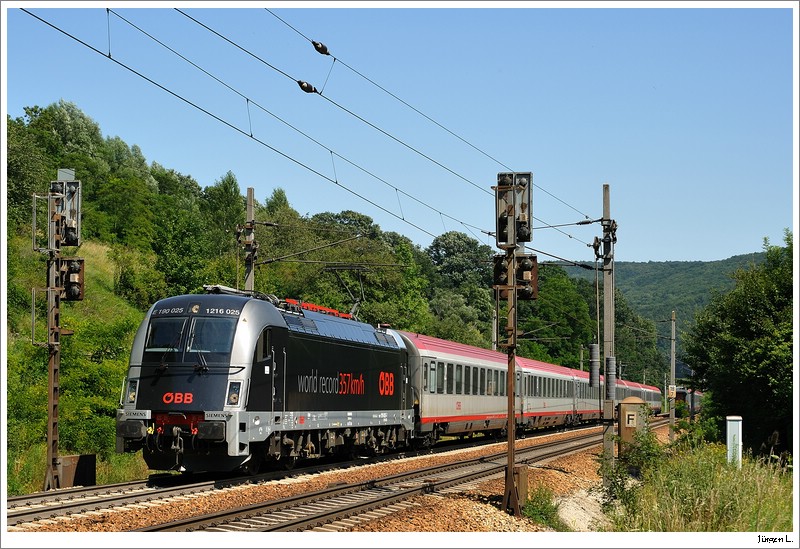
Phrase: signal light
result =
(513, 203)
(72, 213)
(506, 236)
(73, 268)
(500, 276)
(527, 277)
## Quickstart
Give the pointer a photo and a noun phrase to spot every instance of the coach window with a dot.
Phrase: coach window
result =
(489, 382)
(440, 378)
(501, 385)
(496, 379)
(432, 378)
(425, 376)
(482, 385)
(449, 379)
(459, 378)
(467, 373)
(475, 383)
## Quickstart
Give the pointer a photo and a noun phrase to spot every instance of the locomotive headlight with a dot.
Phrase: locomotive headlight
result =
(257, 420)
(234, 388)
(130, 394)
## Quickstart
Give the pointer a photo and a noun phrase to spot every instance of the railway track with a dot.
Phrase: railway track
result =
(56, 504)
(80, 503)
(320, 509)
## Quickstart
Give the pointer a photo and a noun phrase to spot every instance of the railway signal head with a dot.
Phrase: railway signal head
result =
(73, 268)
(506, 212)
(523, 183)
(513, 209)
(72, 213)
(527, 277)
(501, 276)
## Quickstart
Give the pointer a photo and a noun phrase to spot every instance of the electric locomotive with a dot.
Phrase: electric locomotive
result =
(226, 380)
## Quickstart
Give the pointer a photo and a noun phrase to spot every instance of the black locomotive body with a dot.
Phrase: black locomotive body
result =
(224, 380)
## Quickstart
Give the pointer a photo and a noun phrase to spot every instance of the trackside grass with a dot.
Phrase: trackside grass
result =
(696, 490)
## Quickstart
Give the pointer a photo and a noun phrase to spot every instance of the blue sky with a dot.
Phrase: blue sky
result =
(684, 111)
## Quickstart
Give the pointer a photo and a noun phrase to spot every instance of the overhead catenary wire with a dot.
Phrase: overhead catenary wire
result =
(304, 134)
(309, 88)
(249, 133)
(323, 50)
(227, 123)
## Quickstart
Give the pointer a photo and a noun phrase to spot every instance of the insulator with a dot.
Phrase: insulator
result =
(306, 87)
(320, 47)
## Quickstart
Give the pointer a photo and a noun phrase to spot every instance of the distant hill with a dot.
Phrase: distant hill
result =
(656, 288)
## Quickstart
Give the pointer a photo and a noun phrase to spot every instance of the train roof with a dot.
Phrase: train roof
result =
(635, 385)
(437, 346)
(335, 327)
(553, 368)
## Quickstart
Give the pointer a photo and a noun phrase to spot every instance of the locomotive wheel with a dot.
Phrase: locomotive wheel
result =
(289, 462)
(253, 465)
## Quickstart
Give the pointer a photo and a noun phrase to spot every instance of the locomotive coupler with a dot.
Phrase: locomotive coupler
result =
(177, 446)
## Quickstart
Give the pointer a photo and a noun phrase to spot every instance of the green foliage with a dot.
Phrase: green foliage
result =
(556, 325)
(656, 288)
(741, 347)
(698, 491)
(704, 429)
(149, 232)
(27, 171)
(136, 277)
(645, 452)
(460, 261)
(223, 208)
(543, 509)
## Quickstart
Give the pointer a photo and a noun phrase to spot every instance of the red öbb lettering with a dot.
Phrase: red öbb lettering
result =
(177, 398)
(386, 384)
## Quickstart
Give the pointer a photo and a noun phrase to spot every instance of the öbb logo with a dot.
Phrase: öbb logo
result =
(177, 398)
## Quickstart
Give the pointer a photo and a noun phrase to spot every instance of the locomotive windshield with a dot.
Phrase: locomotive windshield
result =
(182, 339)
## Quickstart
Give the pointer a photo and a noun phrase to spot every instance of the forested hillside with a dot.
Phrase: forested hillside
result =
(654, 289)
(149, 232)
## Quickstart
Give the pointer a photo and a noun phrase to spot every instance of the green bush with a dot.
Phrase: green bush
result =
(542, 509)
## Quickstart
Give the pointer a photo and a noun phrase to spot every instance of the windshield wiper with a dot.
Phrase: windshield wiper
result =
(162, 366)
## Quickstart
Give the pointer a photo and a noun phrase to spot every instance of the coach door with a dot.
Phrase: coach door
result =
(575, 388)
(519, 393)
